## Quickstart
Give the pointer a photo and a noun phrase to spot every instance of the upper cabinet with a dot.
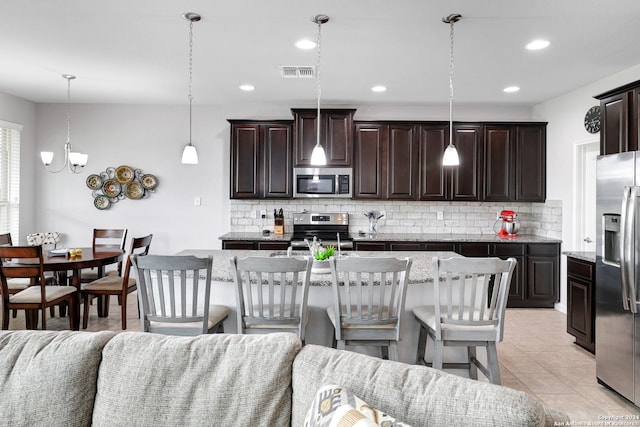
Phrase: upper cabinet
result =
(403, 161)
(336, 135)
(515, 162)
(620, 119)
(393, 160)
(468, 178)
(368, 152)
(261, 165)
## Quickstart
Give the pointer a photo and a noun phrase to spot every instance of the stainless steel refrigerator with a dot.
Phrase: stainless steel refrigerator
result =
(618, 273)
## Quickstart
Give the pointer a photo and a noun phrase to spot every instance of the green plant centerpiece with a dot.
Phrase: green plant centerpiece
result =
(321, 259)
(325, 253)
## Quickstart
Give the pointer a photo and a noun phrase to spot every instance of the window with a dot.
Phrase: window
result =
(10, 179)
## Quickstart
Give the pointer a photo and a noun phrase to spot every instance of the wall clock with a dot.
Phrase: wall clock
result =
(592, 120)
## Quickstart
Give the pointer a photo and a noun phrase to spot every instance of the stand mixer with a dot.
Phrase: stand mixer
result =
(508, 225)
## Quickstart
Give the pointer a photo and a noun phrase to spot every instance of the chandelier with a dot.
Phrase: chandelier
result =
(73, 160)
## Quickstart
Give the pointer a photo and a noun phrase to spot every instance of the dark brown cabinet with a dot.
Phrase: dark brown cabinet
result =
(385, 160)
(467, 178)
(620, 119)
(542, 274)
(403, 161)
(336, 135)
(441, 183)
(515, 162)
(433, 178)
(535, 282)
(261, 159)
(255, 245)
(581, 311)
(370, 140)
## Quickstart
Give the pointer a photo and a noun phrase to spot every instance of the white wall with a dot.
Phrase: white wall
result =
(151, 138)
(565, 130)
(20, 111)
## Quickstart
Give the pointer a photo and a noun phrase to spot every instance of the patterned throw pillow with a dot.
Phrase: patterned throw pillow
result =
(334, 406)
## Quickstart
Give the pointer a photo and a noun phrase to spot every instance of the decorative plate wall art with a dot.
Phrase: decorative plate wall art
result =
(123, 182)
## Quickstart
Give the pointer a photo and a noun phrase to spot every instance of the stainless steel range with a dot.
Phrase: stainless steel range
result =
(329, 228)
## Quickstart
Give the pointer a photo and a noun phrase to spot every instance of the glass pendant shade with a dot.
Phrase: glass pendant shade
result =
(318, 157)
(190, 155)
(47, 157)
(450, 157)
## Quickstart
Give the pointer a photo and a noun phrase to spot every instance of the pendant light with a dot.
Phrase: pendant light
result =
(318, 156)
(450, 157)
(189, 154)
(73, 161)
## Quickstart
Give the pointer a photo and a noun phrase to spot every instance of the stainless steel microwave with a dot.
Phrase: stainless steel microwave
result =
(322, 182)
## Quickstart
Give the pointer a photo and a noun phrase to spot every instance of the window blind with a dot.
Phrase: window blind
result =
(10, 180)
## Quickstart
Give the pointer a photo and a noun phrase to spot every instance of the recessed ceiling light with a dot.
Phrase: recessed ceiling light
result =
(511, 89)
(247, 88)
(305, 44)
(538, 44)
(379, 88)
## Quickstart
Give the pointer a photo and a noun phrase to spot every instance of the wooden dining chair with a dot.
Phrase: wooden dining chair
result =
(271, 294)
(105, 238)
(18, 284)
(34, 298)
(120, 286)
(174, 294)
(470, 298)
(369, 297)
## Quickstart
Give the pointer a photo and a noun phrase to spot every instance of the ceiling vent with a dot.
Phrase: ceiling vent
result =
(297, 72)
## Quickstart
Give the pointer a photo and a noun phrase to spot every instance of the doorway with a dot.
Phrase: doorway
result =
(585, 196)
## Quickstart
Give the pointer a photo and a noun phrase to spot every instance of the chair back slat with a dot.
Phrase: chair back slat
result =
(369, 291)
(174, 291)
(480, 286)
(271, 293)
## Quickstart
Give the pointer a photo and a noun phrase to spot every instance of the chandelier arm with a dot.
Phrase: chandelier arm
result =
(66, 161)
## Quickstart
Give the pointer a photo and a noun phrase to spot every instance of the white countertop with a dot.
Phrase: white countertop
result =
(421, 268)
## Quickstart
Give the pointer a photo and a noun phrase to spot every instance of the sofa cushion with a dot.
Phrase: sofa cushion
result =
(151, 379)
(49, 377)
(417, 395)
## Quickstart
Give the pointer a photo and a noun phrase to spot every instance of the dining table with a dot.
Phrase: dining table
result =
(61, 262)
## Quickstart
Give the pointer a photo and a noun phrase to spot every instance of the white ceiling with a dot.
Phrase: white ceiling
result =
(135, 51)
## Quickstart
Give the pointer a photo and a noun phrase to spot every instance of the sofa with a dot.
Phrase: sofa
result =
(66, 378)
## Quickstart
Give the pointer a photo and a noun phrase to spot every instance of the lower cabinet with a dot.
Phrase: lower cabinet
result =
(255, 245)
(535, 282)
(581, 312)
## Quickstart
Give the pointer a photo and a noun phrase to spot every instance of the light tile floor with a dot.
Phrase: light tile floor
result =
(537, 356)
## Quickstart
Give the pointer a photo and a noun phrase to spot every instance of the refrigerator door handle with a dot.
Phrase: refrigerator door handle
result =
(625, 243)
(631, 283)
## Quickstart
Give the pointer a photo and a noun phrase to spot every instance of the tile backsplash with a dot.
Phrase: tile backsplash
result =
(539, 219)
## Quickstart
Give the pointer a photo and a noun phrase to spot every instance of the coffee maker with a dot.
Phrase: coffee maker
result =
(507, 223)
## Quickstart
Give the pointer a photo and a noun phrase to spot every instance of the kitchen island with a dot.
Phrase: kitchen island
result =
(319, 329)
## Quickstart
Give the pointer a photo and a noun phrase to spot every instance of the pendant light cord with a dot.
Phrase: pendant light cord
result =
(190, 73)
(318, 89)
(68, 110)
(451, 84)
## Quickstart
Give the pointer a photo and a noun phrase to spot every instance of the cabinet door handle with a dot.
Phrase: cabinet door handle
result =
(588, 239)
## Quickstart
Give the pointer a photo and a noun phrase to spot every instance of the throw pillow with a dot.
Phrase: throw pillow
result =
(333, 406)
